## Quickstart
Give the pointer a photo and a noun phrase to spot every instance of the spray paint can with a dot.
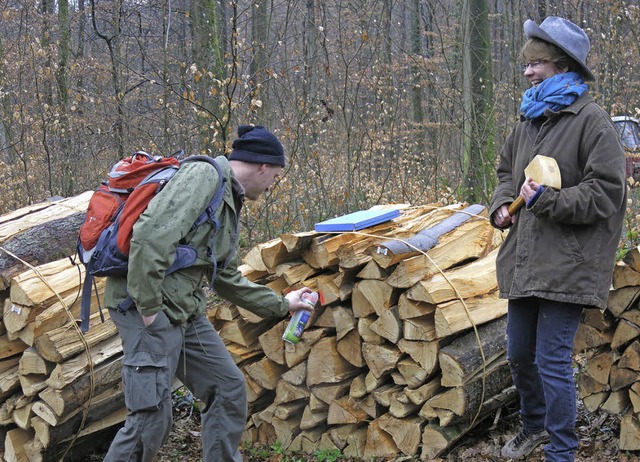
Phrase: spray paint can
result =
(300, 318)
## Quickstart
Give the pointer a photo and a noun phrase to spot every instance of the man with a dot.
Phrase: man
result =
(168, 334)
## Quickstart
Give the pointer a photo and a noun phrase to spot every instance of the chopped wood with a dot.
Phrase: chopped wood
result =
(371, 296)
(456, 316)
(624, 276)
(381, 359)
(326, 365)
(471, 280)
(470, 241)
(66, 341)
(265, 372)
(388, 325)
(629, 432)
(36, 286)
(406, 433)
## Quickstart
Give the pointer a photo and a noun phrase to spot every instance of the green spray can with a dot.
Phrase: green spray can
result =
(300, 318)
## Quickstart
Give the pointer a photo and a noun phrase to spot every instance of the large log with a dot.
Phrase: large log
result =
(468, 354)
(45, 242)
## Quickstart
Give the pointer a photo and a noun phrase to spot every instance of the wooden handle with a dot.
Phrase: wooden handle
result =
(515, 205)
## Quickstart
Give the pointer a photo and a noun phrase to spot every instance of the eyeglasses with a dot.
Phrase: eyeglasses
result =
(533, 64)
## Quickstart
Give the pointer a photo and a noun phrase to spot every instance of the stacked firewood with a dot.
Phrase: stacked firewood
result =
(609, 342)
(56, 385)
(404, 355)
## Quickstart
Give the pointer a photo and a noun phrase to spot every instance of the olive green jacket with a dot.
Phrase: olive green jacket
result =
(562, 247)
(167, 223)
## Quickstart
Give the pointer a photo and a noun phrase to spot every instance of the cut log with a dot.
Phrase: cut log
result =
(65, 342)
(295, 354)
(45, 242)
(381, 359)
(298, 242)
(370, 296)
(625, 332)
(624, 276)
(326, 365)
(36, 287)
(621, 299)
(57, 315)
(436, 224)
(437, 439)
(366, 333)
(471, 280)
(406, 433)
(408, 309)
(388, 325)
(456, 316)
(9, 348)
(67, 372)
(629, 432)
(68, 399)
(422, 328)
(344, 320)
(463, 358)
(272, 344)
(421, 394)
(350, 348)
(14, 443)
(470, 241)
(464, 401)
(630, 358)
(345, 411)
(423, 353)
(265, 372)
(379, 442)
(244, 333)
(32, 363)
(28, 217)
(588, 337)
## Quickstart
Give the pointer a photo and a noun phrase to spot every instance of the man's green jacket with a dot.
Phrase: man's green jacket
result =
(167, 223)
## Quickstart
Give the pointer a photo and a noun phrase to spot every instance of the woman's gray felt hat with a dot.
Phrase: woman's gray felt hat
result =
(565, 35)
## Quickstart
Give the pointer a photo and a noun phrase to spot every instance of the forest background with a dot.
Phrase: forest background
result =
(375, 101)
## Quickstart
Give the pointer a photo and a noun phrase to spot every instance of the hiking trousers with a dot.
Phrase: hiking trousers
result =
(193, 352)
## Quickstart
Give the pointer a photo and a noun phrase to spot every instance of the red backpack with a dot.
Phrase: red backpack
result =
(105, 235)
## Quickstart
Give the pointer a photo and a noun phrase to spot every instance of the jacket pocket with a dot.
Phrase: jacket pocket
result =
(145, 380)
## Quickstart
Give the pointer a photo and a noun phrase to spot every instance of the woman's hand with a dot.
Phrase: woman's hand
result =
(501, 217)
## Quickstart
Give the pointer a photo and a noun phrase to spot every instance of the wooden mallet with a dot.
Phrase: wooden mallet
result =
(543, 170)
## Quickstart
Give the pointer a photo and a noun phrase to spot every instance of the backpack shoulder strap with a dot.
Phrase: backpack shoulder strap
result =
(209, 213)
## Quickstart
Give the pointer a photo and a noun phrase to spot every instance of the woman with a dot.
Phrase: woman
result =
(559, 253)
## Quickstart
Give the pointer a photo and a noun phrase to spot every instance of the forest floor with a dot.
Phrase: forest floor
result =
(598, 435)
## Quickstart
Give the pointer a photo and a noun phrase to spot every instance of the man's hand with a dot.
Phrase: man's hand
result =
(295, 302)
(147, 320)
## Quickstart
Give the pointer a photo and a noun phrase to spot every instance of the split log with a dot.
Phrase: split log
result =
(36, 287)
(65, 342)
(470, 241)
(325, 365)
(456, 316)
(472, 280)
(436, 224)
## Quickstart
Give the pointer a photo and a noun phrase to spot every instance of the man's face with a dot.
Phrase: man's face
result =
(261, 180)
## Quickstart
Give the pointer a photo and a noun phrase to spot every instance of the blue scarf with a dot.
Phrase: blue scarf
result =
(554, 93)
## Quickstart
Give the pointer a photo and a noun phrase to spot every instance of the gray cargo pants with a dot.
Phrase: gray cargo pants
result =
(194, 353)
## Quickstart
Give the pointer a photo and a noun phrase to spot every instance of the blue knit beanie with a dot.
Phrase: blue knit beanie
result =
(257, 145)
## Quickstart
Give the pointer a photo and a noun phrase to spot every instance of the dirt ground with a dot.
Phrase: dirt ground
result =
(598, 440)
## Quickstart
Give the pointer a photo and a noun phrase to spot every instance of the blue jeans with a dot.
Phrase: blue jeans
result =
(539, 349)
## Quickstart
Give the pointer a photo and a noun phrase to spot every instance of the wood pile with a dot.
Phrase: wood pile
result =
(48, 397)
(390, 363)
(609, 342)
(404, 356)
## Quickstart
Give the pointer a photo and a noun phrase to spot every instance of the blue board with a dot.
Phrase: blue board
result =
(357, 220)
